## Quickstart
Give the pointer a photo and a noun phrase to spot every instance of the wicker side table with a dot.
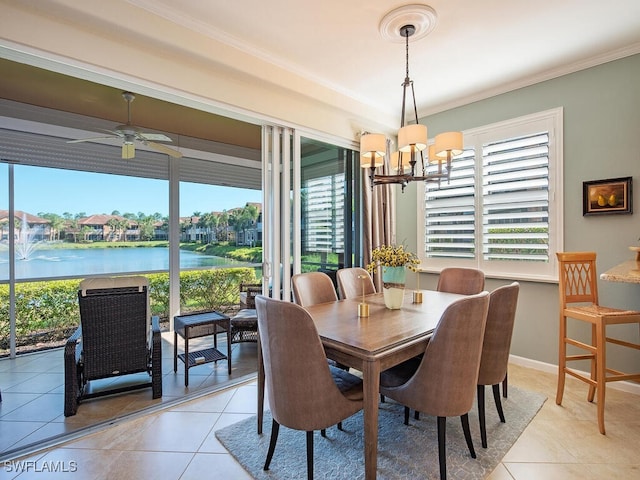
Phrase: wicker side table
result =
(200, 325)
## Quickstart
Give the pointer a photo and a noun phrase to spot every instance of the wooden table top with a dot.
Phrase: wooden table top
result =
(628, 272)
(339, 326)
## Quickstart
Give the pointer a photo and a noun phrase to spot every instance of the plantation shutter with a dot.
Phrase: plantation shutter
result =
(502, 211)
(450, 227)
(515, 199)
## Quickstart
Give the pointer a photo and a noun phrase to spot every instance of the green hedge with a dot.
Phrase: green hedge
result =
(53, 305)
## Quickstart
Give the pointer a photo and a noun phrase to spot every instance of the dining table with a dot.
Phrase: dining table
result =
(370, 345)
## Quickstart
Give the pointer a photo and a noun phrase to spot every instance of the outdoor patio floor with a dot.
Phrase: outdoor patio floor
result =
(32, 386)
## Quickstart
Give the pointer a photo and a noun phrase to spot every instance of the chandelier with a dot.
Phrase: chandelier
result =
(410, 162)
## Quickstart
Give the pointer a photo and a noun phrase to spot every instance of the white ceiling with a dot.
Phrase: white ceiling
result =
(477, 48)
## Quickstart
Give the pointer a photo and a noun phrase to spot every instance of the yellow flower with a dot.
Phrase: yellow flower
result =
(392, 256)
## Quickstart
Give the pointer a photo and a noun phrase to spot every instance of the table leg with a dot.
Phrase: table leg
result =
(186, 356)
(175, 351)
(371, 386)
(229, 344)
(260, 411)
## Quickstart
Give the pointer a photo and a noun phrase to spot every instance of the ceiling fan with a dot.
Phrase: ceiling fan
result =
(129, 133)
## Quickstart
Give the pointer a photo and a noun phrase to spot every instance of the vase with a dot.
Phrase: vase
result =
(393, 281)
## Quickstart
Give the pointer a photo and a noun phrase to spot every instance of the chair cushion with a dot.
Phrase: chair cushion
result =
(398, 375)
(347, 383)
(245, 317)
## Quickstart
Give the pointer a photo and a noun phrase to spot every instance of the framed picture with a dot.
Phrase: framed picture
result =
(612, 195)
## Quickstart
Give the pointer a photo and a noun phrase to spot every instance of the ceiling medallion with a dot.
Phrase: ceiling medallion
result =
(422, 17)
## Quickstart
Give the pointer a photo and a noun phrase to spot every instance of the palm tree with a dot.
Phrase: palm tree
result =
(223, 224)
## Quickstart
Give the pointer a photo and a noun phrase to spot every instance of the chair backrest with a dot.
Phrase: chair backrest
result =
(497, 334)
(250, 290)
(444, 384)
(116, 322)
(577, 278)
(353, 282)
(312, 288)
(463, 281)
(302, 393)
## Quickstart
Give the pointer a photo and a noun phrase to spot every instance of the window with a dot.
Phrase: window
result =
(501, 211)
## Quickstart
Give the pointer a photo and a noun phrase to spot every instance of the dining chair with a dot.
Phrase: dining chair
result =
(443, 382)
(305, 393)
(353, 282)
(495, 348)
(578, 286)
(311, 288)
(463, 281)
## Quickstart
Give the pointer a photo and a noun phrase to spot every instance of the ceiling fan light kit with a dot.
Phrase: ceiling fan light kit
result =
(414, 21)
(130, 133)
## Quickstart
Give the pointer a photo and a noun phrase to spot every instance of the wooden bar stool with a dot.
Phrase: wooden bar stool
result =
(578, 285)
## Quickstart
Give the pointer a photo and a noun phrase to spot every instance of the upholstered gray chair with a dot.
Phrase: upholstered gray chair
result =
(464, 281)
(443, 383)
(353, 281)
(305, 393)
(312, 288)
(495, 349)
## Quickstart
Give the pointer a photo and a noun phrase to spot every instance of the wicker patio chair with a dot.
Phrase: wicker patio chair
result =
(116, 336)
(244, 325)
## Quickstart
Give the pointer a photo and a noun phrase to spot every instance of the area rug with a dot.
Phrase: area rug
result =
(404, 452)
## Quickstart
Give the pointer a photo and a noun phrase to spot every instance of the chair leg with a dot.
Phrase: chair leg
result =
(381, 398)
(406, 415)
(481, 417)
(504, 385)
(442, 447)
(601, 362)
(323, 432)
(275, 427)
(467, 434)
(594, 363)
(562, 359)
(416, 415)
(496, 398)
(310, 455)
(339, 425)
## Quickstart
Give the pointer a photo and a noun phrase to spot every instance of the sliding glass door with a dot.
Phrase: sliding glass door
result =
(312, 197)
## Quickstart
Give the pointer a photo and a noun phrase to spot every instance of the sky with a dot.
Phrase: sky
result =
(47, 190)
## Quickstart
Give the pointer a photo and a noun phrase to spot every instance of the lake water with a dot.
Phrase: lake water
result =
(91, 261)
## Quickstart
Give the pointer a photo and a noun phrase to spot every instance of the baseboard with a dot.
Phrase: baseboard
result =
(629, 387)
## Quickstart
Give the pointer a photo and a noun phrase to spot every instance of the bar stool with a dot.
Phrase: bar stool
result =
(578, 285)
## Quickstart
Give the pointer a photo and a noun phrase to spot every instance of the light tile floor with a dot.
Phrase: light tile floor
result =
(32, 386)
(561, 442)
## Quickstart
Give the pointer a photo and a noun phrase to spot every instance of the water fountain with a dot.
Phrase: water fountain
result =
(26, 243)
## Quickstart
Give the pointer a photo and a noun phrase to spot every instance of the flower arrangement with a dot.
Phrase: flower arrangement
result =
(392, 256)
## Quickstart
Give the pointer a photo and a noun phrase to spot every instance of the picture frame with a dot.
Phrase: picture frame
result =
(609, 196)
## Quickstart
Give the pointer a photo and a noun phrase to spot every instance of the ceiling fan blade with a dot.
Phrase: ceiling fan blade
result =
(155, 137)
(92, 139)
(164, 149)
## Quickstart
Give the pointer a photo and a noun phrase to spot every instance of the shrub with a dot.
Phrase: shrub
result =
(53, 306)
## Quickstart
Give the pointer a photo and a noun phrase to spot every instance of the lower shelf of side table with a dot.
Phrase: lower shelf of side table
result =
(201, 357)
